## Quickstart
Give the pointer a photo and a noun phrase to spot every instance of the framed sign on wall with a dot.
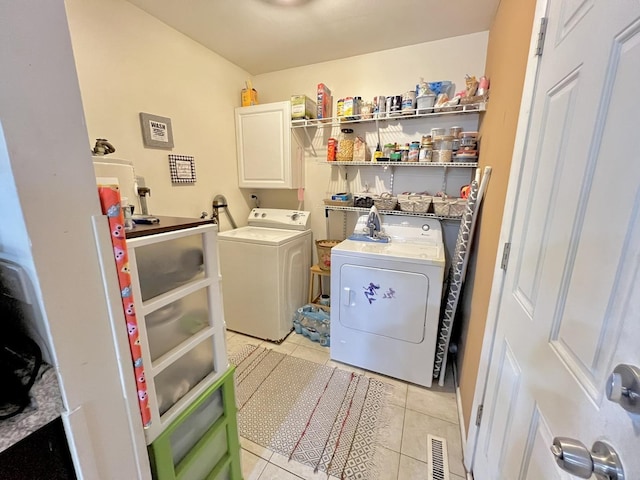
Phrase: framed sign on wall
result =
(182, 169)
(156, 131)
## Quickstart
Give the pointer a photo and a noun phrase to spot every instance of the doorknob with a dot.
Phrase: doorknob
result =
(623, 387)
(573, 457)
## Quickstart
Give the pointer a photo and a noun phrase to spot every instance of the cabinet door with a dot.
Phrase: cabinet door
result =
(263, 138)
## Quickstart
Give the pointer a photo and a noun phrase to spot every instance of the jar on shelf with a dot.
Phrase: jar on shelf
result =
(366, 111)
(425, 154)
(414, 151)
(345, 145)
(404, 153)
(442, 148)
(389, 148)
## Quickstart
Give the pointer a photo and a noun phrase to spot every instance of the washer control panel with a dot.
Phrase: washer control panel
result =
(279, 218)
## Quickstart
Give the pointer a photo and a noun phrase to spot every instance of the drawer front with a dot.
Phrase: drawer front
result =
(176, 322)
(175, 381)
(168, 265)
(211, 452)
(185, 437)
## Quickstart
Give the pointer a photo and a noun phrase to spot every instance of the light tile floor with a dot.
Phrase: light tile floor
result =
(413, 412)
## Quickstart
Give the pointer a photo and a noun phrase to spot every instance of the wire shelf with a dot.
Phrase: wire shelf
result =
(404, 164)
(399, 213)
(338, 121)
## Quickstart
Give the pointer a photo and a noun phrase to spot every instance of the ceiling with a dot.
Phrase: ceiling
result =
(260, 36)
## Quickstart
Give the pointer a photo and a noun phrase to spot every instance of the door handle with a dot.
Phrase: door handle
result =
(573, 457)
(346, 296)
(623, 387)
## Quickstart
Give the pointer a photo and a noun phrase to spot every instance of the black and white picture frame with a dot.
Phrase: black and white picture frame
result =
(156, 131)
(182, 168)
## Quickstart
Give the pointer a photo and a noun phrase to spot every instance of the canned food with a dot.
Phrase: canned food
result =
(409, 103)
(379, 105)
(396, 106)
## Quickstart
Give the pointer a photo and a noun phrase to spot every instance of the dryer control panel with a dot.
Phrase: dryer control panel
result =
(279, 218)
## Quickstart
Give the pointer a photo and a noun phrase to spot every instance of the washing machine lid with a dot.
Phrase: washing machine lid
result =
(262, 236)
(426, 253)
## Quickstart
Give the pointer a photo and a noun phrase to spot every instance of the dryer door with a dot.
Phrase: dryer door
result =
(386, 302)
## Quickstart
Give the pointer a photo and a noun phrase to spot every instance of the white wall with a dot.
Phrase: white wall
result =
(128, 62)
(389, 72)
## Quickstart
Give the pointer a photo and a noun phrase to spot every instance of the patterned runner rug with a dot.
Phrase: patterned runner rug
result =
(321, 416)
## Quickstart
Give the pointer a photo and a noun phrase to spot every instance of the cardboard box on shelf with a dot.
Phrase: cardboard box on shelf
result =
(249, 97)
(325, 101)
(302, 107)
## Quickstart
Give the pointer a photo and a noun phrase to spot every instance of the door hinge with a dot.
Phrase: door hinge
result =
(541, 34)
(505, 256)
(479, 415)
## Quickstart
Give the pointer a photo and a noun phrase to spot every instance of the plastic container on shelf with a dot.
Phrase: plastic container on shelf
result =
(468, 142)
(345, 145)
(437, 132)
(425, 103)
(442, 148)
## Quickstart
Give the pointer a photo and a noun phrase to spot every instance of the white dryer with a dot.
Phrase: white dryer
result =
(386, 300)
(265, 272)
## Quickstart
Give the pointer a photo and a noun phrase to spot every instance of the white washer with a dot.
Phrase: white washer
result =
(386, 300)
(265, 272)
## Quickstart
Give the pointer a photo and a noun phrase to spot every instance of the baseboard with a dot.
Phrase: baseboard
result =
(463, 430)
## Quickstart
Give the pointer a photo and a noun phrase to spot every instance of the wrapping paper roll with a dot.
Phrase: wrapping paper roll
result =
(110, 202)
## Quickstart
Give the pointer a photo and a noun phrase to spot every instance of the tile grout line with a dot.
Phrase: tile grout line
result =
(404, 417)
(433, 416)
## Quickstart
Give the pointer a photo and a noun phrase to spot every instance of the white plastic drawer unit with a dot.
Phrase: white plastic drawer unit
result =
(176, 285)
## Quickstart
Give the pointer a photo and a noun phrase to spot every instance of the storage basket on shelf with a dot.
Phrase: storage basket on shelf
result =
(364, 200)
(324, 252)
(385, 202)
(338, 203)
(414, 203)
(451, 207)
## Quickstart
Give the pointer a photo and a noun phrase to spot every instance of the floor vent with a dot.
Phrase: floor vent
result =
(438, 458)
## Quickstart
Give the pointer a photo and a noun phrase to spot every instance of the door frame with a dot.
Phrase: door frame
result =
(506, 229)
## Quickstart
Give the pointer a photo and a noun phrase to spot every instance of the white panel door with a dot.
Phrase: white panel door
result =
(570, 306)
(263, 139)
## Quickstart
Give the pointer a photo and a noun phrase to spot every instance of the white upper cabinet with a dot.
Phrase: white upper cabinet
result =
(263, 139)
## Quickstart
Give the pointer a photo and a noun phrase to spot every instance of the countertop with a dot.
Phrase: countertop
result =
(167, 224)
